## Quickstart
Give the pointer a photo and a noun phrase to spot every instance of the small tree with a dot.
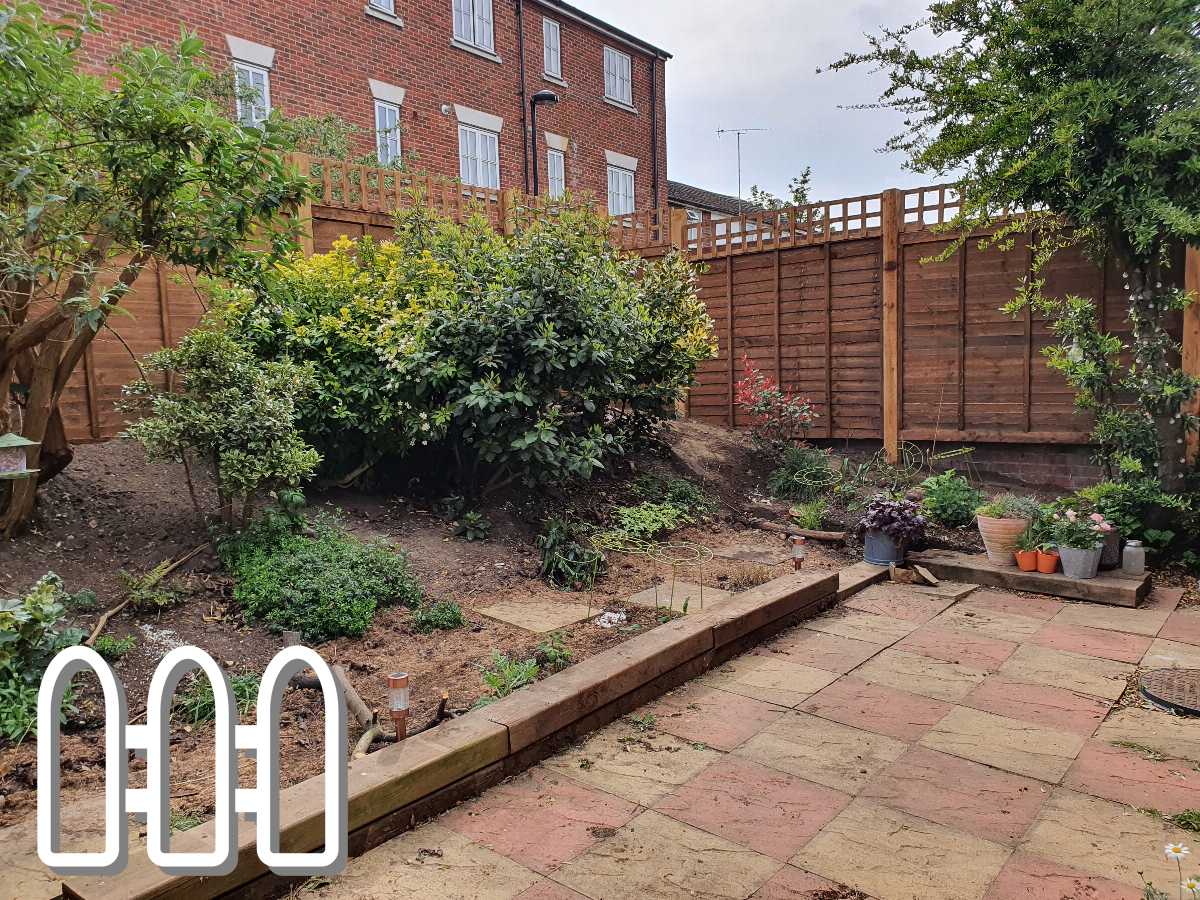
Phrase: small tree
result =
(230, 411)
(98, 177)
(1084, 117)
(797, 193)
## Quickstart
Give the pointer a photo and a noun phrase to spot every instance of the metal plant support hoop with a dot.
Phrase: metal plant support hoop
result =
(678, 555)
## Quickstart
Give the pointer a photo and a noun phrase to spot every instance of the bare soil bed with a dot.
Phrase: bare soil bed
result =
(110, 511)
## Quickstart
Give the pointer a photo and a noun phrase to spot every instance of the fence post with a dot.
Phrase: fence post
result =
(304, 214)
(1191, 335)
(678, 228)
(890, 277)
(508, 211)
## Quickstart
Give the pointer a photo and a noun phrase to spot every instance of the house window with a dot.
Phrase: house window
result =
(387, 6)
(620, 191)
(478, 157)
(387, 132)
(473, 23)
(253, 93)
(556, 173)
(618, 80)
(694, 216)
(552, 47)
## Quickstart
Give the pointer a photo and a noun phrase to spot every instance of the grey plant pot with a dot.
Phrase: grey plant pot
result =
(880, 549)
(1110, 555)
(1080, 564)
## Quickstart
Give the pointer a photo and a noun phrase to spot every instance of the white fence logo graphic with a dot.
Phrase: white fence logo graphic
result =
(260, 740)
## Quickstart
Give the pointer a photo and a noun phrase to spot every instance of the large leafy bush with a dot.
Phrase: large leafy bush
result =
(950, 499)
(534, 357)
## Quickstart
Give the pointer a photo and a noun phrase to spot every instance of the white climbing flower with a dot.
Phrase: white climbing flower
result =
(1176, 851)
(1191, 885)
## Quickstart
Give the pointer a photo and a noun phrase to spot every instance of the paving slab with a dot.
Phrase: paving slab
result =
(975, 651)
(1040, 704)
(790, 883)
(539, 819)
(1114, 645)
(1137, 776)
(771, 678)
(764, 552)
(1183, 625)
(655, 856)
(828, 753)
(921, 674)
(1103, 838)
(755, 806)
(720, 719)
(861, 626)
(830, 652)
(950, 590)
(1000, 626)
(549, 890)
(539, 616)
(430, 862)
(1177, 737)
(899, 602)
(1027, 605)
(958, 793)
(895, 856)
(663, 596)
(1146, 621)
(1164, 654)
(1033, 878)
(1010, 744)
(638, 766)
(877, 708)
(1070, 671)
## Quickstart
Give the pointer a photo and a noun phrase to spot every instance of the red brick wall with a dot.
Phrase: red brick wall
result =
(326, 50)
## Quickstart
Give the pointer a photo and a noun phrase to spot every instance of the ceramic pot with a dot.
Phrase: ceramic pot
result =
(1000, 537)
(1110, 554)
(1047, 561)
(880, 549)
(1080, 564)
(1027, 560)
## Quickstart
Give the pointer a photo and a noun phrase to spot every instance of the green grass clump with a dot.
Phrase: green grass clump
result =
(804, 473)
(445, 615)
(197, 705)
(112, 648)
(506, 676)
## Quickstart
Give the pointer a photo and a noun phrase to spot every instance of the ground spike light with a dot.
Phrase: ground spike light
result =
(398, 697)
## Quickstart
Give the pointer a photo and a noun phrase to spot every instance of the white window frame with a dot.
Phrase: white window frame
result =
(387, 145)
(246, 110)
(480, 168)
(475, 24)
(556, 173)
(384, 6)
(618, 76)
(621, 202)
(552, 48)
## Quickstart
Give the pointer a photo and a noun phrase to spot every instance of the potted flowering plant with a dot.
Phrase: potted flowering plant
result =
(1080, 541)
(888, 528)
(1001, 523)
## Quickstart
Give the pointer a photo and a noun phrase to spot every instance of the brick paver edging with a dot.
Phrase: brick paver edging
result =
(393, 789)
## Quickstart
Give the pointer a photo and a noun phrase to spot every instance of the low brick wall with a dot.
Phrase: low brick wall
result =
(397, 787)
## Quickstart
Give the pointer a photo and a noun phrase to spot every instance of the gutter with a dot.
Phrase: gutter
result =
(624, 37)
(524, 90)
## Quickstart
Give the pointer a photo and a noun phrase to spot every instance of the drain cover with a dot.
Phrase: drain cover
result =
(1175, 689)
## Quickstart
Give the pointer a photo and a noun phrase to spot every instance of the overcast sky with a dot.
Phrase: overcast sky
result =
(752, 64)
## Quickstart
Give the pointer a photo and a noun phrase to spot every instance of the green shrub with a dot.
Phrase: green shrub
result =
(804, 473)
(810, 515)
(1135, 507)
(112, 648)
(677, 491)
(1010, 506)
(506, 676)
(950, 500)
(31, 633)
(648, 521)
(196, 704)
(567, 561)
(147, 592)
(553, 652)
(324, 584)
(228, 412)
(473, 526)
(445, 615)
(532, 357)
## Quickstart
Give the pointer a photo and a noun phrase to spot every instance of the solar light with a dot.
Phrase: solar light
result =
(398, 702)
(12, 456)
(799, 552)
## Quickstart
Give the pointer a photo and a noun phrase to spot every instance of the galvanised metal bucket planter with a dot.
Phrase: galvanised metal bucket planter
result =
(1080, 564)
(880, 549)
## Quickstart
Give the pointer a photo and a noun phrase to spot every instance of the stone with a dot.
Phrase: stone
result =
(975, 651)
(861, 626)
(1024, 605)
(1146, 621)
(828, 753)
(823, 651)
(655, 856)
(790, 883)
(641, 766)
(1103, 838)
(718, 718)
(663, 596)
(548, 890)
(853, 579)
(768, 677)
(890, 854)
(1042, 705)
(920, 674)
(539, 616)
(978, 620)
(877, 708)
(754, 806)
(1010, 744)
(1172, 736)
(1135, 775)
(899, 602)
(1114, 645)
(970, 797)
(763, 552)
(1033, 878)
(1165, 654)
(1183, 626)
(1070, 671)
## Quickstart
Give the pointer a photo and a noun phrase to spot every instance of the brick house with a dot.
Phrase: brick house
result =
(702, 205)
(445, 83)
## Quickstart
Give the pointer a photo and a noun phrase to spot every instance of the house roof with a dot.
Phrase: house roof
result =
(680, 194)
(612, 31)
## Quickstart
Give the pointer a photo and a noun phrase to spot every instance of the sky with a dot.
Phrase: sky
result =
(757, 69)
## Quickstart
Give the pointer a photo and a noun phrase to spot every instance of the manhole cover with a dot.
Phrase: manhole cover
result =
(1175, 689)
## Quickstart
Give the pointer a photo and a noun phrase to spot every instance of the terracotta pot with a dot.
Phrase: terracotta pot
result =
(1047, 561)
(1000, 537)
(1027, 560)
